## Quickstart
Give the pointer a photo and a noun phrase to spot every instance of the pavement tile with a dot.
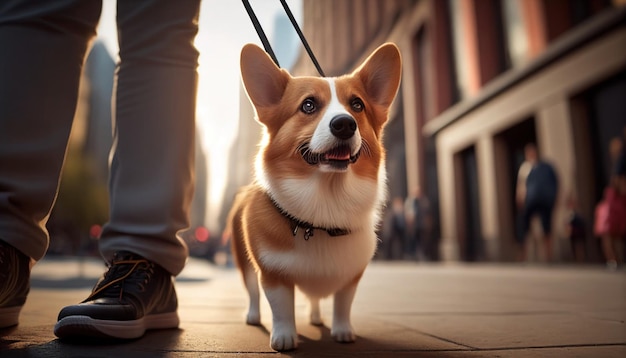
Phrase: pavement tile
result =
(519, 331)
(551, 352)
(400, 310)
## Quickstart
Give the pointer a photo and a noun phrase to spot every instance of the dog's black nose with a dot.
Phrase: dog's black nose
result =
(342, 126)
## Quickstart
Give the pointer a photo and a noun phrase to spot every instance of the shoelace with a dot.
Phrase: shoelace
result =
(113, 271)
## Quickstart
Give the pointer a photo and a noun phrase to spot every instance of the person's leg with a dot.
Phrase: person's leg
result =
(618, 244)
(545, 213)
(525, 218)
(151, 182)
(408, 240)
(43, 46)
(609, 251)
(152, 169)
(418, 251)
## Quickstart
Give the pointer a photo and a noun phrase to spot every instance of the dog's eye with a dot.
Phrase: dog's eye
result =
(308, 106)
(357, 105)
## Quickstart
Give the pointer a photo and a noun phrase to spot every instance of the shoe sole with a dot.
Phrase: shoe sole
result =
(9, 316)
(87, 327)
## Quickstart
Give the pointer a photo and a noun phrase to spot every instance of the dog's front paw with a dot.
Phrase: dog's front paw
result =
(283, 339)
(343, 333)
(253, 319)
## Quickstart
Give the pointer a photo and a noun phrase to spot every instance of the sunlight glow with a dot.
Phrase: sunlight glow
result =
(224, 29)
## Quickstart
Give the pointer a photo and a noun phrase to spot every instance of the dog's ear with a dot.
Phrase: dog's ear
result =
(265, 83)
(380, 74)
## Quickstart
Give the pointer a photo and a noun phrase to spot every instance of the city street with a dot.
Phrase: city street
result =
(402, 309)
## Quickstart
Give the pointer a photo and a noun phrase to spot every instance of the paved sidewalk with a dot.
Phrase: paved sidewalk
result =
(401, 310)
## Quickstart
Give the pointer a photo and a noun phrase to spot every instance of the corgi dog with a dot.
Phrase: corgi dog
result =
(309, 218)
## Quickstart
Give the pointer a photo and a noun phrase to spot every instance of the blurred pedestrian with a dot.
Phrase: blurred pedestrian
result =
(576, 230)
(536, 193)
(417, 212)
(151, 180)
(610, 214)
(394, 231)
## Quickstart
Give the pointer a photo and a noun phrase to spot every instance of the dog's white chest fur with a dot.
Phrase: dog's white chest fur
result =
(324, 263)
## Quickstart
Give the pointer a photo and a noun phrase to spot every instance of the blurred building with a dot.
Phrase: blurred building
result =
(481, 79)
(200, 198)
(241, 155)
(97, 85)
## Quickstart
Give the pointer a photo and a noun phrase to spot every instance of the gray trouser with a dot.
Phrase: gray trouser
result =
(42, 49)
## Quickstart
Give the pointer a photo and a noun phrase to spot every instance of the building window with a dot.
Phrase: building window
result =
(460, 51)
(516, 42)
(441, 89)
(480, 49)
(563, 15)
(422, 73)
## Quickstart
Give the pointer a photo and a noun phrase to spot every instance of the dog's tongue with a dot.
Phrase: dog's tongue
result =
(341, 153)
(338, 157)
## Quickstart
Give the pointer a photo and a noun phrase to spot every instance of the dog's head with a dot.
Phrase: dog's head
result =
(322, 124)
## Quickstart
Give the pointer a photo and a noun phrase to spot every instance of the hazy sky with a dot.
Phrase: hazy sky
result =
(224, 28)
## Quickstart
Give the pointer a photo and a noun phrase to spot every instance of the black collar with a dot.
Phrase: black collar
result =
(308, 227)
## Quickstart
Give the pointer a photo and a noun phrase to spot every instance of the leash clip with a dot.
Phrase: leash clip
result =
(308, 232)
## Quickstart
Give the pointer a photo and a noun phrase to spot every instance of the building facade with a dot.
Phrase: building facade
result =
(482, 78)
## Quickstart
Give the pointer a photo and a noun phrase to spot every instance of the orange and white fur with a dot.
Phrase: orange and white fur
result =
(309, 218)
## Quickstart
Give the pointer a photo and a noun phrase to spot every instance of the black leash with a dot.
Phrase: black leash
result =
(302, 38)
(259, 31)
(266, 43)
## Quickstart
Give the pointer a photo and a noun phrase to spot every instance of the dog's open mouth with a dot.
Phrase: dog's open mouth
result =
(338, 157)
